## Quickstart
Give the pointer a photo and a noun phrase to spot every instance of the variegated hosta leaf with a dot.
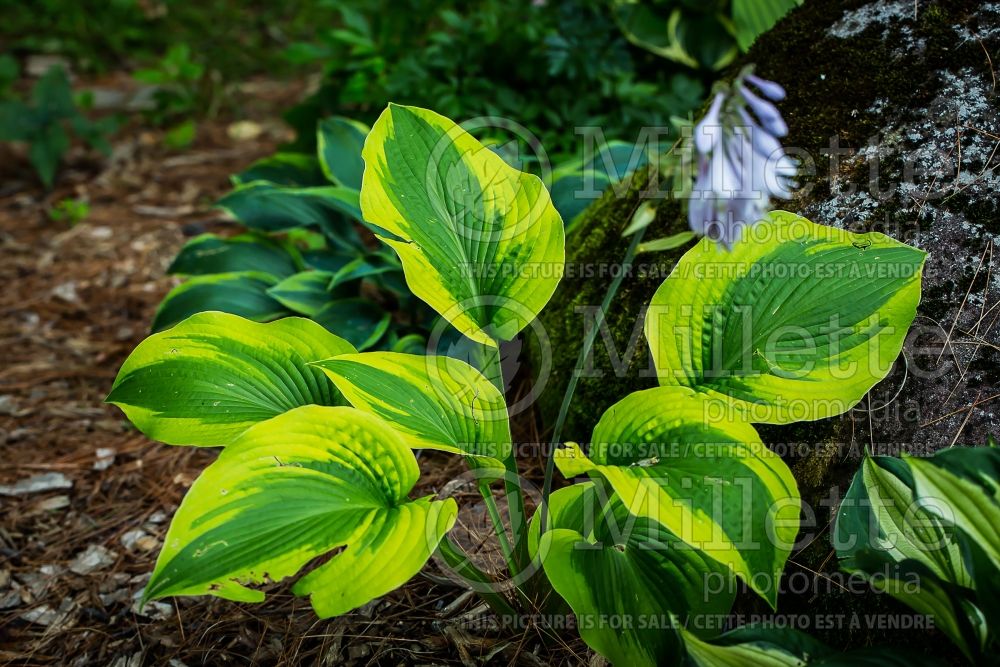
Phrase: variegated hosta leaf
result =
(294, 488)
(763, 645)
(963, 488)
(797, 323)
(880, 513)
(293, 170)
(270, 208)
(683, 461)
(243, 293)
(210, 377)
(479, 241)
(924, 531)
(912, 582)
(436, 402)
(208, 253)
(362, 322)
(626, 578)
(305, 292)
(761, 653)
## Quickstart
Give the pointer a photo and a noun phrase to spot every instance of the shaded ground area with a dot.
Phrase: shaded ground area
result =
(85, 500)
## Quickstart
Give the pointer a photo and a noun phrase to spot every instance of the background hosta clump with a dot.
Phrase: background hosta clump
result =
(305, 252)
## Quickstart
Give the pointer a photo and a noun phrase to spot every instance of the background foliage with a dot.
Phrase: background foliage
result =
(552, 66)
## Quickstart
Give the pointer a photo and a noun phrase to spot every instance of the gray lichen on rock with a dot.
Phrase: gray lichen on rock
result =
(927, 176)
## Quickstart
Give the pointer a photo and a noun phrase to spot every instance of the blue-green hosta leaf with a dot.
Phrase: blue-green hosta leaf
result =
(292, 170)
(210, 377)
(339, 142)
(767, 646)
(479, 241)
(242, 293)
(914, 584)
(924, 531)
(626, 578)
(294, 488)
(962, 487)
(617, 159)
(270, 208)
(880, 513)
(395, 282)
(410, 344)
(798, 322)
(579, 183)
(328, 259)
(981, 467)
(306, 292)
(678, 459)
(758, 653)
(210, 253)
(978, 465)
(573, 192)
(986, 582)
(436, 402)
(362, 322)
(370, 265)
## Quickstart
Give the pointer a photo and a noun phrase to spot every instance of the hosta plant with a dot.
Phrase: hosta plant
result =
(924, 530)
(680, 492)
(305, 251)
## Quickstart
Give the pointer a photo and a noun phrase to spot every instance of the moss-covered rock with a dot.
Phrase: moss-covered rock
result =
(620, 362)
(893, 111)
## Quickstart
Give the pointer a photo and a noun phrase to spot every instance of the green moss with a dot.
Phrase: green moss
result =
(594, 254)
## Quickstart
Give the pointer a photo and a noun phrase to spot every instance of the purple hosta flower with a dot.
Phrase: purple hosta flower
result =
(768, 114)
(740, 162)
(705, 135)
(769, 88)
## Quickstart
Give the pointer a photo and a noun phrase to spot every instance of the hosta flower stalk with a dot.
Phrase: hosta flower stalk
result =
(740, 163)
